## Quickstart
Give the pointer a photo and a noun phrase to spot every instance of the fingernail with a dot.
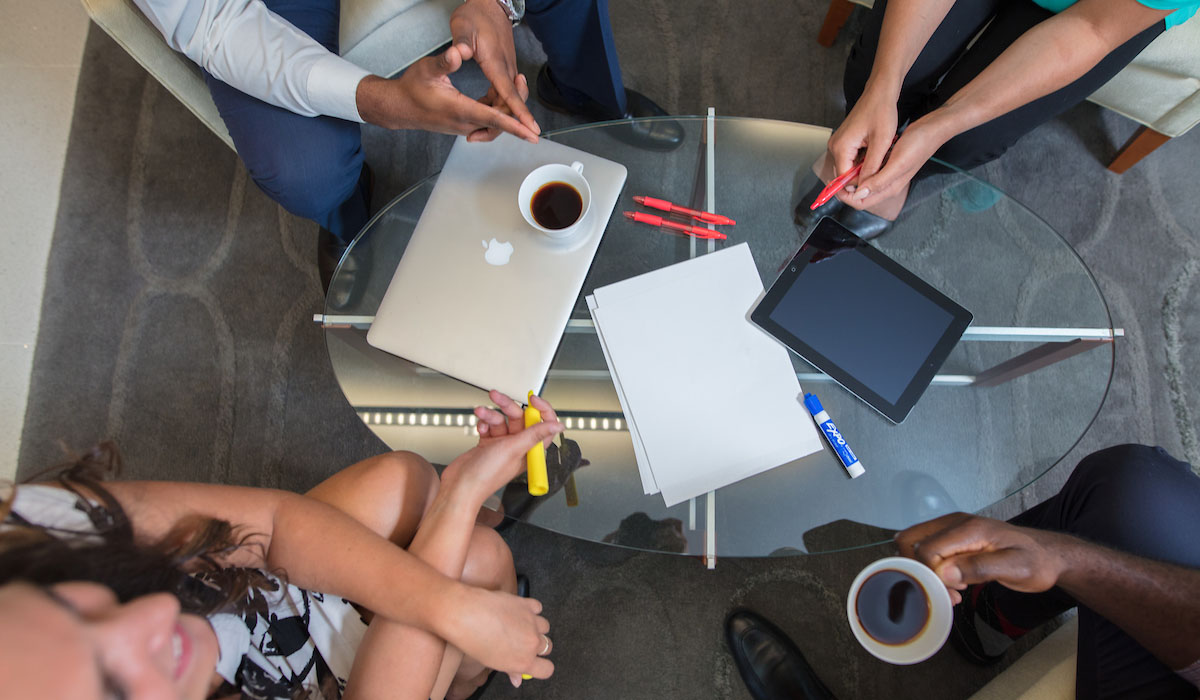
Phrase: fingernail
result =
(862, 193)
(851, 188)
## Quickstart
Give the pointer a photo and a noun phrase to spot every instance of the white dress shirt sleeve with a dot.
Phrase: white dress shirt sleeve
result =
(242, 43)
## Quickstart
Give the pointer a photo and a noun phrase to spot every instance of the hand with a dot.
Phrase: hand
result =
(501, 631)
(482, 31)
(510, 418)
(492, 99)
(424, 98)
(500, 454)
(915, 147)
(964, 549)
(870, 126)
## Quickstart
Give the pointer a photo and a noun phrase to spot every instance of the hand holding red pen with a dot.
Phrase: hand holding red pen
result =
(866, 134)
(842, 183)
(912, 150)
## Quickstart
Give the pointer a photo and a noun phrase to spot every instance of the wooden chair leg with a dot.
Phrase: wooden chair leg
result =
(839, 12)
(1143, 141)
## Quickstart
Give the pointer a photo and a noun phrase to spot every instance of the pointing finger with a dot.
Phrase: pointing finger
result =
(478, 115)
(503, 80)
(523, 441)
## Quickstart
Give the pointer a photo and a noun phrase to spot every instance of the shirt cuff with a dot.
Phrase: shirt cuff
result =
(333, 87)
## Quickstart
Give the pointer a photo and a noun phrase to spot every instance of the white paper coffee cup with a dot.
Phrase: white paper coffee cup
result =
(930, 638)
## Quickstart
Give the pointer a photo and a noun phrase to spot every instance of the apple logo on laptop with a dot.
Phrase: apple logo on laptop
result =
(497, 253)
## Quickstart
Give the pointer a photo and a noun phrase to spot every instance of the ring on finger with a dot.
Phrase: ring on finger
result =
(545, 648)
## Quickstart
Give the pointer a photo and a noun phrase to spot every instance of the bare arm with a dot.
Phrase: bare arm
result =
(1157, 604)
(1049, 56)
(324, 549)
(442, 540)
(871, 125)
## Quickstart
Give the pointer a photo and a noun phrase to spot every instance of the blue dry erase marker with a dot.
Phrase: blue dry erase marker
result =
(834, 436)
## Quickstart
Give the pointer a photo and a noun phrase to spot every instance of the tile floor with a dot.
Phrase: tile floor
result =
(41, 45)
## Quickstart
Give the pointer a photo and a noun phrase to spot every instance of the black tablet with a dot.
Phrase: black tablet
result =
(858, 316)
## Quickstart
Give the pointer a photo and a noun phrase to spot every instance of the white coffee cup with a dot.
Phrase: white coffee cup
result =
(572, 175)
(930, 638)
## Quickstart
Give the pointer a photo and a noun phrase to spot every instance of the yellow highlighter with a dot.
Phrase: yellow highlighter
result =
(535, 458)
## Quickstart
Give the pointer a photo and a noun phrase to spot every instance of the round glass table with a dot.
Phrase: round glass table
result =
(1016, 394)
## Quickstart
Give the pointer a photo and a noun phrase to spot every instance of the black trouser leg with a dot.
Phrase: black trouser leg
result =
(1136, 499)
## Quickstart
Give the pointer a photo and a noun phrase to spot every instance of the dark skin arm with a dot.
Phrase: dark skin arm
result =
(484, 33)
(1156, 603)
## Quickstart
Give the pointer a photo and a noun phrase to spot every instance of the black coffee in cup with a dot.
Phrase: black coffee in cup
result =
(556, 205)
(892, 607)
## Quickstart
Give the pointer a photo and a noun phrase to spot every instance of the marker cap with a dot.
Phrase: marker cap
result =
(813, 404)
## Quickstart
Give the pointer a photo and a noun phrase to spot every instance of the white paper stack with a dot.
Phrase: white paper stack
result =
(709, 398)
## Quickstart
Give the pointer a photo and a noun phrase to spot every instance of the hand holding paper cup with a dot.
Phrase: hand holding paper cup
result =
(899, 610)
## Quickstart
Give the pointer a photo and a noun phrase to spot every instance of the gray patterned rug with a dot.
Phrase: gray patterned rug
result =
(177, 320)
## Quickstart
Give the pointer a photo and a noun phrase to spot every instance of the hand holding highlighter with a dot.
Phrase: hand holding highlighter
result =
(535, 458)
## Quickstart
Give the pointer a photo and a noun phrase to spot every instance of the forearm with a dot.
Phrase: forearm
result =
(321, 548)
(1049, 56)
(1157, 604)
(442, 541)
(907, 27)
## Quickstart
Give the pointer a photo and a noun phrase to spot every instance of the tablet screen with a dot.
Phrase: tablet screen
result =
(878, 328)
(861, 318)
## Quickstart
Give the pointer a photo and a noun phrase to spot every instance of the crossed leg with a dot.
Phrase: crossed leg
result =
(390, 494)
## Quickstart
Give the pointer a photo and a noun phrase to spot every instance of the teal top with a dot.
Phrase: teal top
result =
(1183, 9)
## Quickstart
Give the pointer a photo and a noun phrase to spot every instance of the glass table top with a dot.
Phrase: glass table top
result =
(967, 444)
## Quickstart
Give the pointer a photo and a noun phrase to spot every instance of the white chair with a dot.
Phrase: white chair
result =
(1160, 89)
(383, 36)
(1045, 672)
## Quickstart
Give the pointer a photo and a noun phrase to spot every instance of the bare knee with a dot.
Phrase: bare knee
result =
(489, 562)
(389, 493)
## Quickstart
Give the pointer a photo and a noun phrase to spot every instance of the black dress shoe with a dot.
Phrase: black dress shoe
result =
(656, 135)
(330, 249)
(351, 283)
(863, 223)
(770, 664)
(806, 218)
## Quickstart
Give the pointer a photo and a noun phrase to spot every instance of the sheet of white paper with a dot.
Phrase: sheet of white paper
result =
(639, 452)
(715, 398)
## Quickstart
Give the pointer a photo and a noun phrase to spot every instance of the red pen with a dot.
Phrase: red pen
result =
(836, 184)
(703, 216)
(653, 220)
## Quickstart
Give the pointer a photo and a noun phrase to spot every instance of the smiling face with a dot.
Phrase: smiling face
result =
(75, 640)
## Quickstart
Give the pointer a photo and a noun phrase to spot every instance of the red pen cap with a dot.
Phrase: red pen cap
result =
(653, 203)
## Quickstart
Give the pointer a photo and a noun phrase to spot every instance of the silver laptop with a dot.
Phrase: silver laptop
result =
(451, 308)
